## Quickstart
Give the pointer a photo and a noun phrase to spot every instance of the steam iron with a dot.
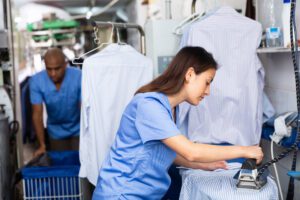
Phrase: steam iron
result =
(247, 176)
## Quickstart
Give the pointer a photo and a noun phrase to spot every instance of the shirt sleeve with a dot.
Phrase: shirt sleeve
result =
(153, 121)
(35, 92)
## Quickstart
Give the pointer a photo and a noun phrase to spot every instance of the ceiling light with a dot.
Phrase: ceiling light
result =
(89, 14)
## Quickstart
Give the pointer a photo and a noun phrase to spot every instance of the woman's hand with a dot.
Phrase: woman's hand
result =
(254, 152)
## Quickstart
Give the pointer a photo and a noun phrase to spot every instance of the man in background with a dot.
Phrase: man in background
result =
(59, 88)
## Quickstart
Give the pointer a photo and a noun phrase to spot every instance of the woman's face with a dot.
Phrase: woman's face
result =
(197, 86)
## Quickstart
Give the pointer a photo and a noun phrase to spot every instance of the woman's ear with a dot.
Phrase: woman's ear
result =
(189, 74)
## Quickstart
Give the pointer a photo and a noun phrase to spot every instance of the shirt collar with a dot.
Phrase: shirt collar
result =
(117, 47)
(167, 104)
(65, 79)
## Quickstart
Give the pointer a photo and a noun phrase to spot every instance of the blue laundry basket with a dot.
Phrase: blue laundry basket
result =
(58, 181)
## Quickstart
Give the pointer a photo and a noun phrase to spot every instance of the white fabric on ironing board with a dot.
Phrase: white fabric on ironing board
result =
(220, 185)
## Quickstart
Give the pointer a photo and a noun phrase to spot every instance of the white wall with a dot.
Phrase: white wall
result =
(280, 81)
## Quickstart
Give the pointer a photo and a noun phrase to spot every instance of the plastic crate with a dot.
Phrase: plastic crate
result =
(58, 181)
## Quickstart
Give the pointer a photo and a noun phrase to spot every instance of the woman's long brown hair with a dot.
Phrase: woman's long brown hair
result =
(172, 79)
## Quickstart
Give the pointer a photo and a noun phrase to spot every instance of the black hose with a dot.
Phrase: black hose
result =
(291, 187)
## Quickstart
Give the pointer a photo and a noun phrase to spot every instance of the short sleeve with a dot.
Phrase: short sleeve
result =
(153, 121)
(35, 92)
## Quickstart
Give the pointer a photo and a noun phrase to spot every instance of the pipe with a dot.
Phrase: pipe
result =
(168, 9)
(104, 9)
(194, 6)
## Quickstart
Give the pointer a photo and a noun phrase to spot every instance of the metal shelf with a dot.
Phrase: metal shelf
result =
(274, 50)
(52, 41)
(53, 31)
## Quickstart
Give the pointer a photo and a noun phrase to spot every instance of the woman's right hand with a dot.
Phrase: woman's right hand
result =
(254, 152)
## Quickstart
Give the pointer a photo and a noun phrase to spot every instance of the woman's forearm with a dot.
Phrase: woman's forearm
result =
(211, 153)
(194, 152)
(179, 160)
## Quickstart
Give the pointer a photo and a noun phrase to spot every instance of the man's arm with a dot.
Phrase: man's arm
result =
(37, 118)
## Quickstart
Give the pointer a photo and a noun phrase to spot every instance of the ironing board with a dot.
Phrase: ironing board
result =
(220, 185)
(294, 174)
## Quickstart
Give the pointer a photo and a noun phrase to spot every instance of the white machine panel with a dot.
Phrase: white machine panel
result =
(161, 43)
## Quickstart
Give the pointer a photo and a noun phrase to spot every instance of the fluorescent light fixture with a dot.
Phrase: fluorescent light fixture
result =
(18, 19)
(89, 14)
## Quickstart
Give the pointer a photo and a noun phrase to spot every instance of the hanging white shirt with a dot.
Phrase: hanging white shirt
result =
(109, 80)
(233, 111)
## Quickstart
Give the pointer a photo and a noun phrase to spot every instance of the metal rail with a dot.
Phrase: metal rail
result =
(125, 26)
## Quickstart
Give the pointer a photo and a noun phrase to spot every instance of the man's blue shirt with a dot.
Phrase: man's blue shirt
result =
(63, 105)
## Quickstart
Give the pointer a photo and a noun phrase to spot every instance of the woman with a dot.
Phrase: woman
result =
(148, 140)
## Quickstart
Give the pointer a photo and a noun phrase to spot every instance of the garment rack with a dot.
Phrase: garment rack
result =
(125, 26)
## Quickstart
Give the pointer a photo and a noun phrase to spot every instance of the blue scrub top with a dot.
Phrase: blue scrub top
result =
(138, 162)
(63, 105)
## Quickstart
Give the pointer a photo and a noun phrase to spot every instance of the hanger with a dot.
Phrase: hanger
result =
(178, 30)
(97, 41)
